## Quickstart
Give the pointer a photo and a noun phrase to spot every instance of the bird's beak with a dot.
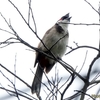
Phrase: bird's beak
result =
(68, 17)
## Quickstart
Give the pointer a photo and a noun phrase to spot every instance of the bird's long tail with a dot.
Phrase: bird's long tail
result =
(36, 85)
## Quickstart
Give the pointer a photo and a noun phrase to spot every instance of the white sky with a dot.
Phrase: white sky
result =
(46, 13)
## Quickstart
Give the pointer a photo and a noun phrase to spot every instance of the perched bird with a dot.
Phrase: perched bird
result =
(55, 41)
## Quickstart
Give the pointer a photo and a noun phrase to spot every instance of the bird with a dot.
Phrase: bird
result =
(54, 42)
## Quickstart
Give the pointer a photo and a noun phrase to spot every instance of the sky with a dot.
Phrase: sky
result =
(46, 14)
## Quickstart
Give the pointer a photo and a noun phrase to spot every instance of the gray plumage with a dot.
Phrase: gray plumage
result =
(58, 31)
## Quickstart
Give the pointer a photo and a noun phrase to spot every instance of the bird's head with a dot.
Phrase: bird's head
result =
(63, 21)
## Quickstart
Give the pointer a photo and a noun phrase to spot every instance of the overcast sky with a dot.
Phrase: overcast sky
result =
(46, 13)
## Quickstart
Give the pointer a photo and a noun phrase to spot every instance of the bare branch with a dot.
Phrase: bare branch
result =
(72, 79)
(6, 31)
(79, 47)
(15, 75)
(8, 42)
(15, 68)
(91, 65)
(21, 16)
(95, 82)
(91, 6)
(68, 67)
(86, 24)
(83, 62)
(84, 94)
(20, 94)
(32, 16)
(29, 2)
(24, 93)
(99, 23)
(16, 93)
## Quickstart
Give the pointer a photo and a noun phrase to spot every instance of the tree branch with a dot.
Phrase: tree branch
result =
(15, 75)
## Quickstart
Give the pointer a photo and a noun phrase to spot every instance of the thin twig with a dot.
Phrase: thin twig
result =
(91, 65)
(83, 62)
(15, 68)
(33, 20)
(6, 31)
(15, 75)
(86, 24)
(99, 23)
(18, 93)
(84, 46)
(91, 6)
(84, 94)
(72, 79)
(24, 93)
(29, 3)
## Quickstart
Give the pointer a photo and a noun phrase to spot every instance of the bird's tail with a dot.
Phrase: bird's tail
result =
(36, 85)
